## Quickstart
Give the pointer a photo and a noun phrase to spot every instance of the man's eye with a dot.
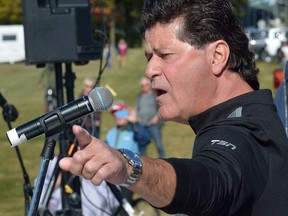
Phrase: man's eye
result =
(164, 55)
(148, 57)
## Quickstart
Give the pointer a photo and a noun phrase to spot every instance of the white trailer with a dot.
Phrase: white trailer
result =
(12, 45)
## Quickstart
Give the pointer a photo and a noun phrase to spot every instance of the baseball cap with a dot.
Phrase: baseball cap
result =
(118, 105)
(121, 113)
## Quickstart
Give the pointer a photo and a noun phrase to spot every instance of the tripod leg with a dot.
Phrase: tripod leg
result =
(46, 155)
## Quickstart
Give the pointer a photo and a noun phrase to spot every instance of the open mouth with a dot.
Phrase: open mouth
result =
(159, 92)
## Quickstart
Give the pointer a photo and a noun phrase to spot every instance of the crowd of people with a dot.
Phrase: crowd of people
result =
(124, 134)
(144, 113)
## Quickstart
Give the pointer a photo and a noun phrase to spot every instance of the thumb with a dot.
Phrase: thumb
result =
(65, 163)
(84, 138)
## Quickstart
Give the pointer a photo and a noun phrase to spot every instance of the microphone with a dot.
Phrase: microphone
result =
(9, 111)
(99, 99)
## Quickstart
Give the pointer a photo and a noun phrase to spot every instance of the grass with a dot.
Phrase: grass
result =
(18, 84)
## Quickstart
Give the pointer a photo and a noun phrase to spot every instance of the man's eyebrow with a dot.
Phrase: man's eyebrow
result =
(155, 50)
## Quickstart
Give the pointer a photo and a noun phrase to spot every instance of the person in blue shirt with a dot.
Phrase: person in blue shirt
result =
(122, 134)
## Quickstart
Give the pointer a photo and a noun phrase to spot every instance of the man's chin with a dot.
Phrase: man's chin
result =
(164, 115)
(169, 117)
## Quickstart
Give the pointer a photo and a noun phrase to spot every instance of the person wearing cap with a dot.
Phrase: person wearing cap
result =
(122, 135)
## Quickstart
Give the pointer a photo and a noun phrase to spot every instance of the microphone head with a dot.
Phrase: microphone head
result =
(100, 98)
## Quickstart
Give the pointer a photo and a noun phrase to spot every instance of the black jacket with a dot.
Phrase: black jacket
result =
(240, 161)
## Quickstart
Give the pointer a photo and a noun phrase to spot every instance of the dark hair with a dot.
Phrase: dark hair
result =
(206, 21)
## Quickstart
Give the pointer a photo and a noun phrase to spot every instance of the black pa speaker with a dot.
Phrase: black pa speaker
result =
(58, 31)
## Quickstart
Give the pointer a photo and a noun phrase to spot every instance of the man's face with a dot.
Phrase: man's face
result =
(181, 74)
(121, 121)
(121, 117)
(87, 88)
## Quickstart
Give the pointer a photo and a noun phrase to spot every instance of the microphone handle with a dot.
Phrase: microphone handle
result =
(51, 123)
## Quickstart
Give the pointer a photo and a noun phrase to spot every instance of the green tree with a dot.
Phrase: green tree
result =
(120, 18)
(131, 10)
(238, 5)
(10, 12)
(124, 17)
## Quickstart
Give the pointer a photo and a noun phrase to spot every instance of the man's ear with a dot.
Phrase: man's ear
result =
(220, 56)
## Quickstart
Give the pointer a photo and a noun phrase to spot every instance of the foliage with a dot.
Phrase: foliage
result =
(133, 7)
(122, 17)
(239, 4)
(123, 10)
(10, 12)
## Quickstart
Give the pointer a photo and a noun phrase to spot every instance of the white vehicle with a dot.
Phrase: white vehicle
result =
(12, 45)
(273, 43)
